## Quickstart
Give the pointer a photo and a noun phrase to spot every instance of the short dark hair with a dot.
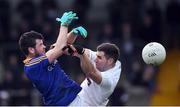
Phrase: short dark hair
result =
(28, 39)
(110, 50)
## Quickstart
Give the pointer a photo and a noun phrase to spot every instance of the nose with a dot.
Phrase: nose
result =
(44, 47)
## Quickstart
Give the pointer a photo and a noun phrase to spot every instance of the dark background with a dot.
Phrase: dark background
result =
(130, 24)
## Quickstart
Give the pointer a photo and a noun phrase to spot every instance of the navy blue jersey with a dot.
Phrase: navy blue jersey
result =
(54, 85)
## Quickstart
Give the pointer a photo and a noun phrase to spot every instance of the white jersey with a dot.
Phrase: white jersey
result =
(98, 94)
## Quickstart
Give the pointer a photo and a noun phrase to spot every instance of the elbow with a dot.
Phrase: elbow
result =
(95, 77)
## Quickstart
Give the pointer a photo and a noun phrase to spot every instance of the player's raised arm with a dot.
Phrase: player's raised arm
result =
(89, 69)
(61, 42)
(72, 35)
(87, 66)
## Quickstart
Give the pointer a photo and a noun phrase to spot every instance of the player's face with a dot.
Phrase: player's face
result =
(40, 47)
(101, 61)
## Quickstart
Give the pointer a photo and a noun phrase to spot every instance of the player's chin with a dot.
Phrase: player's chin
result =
(43, 53)
(97, 67)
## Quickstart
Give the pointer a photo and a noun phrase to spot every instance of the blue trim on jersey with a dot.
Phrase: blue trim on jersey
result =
(51, 81)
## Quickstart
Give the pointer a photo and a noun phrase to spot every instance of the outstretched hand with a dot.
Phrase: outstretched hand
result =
(67, 18)
(80, 31)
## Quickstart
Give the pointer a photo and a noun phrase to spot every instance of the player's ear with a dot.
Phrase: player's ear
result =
(110, 61)
(31, 50)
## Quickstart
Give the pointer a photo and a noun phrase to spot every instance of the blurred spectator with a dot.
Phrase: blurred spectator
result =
(27, 10)
(49, 9)
(136, 74)
(106, 34)
(5, 20)
(130, 47)
(172, 13)
(150, 30)
(119, 97)
(143, 76)
(38, 23)
(148, 78)
(131, 25)
(5, 88)
(22, 95)
(13, 66)
(115, 14)
(1, 70)
(173, 22)
(47, 24)
(81, 7)
(22, 27)
(15, 88)
(49, 31)
(8, 80)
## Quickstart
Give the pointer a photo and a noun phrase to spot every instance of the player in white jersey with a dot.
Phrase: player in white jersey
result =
(102, 69)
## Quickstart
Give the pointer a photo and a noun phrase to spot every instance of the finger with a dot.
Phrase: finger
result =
(73, 14)
(75, 17)
(84, 32)
(70, 12)
(75, 31)
(58, 19)
(72, 17)
(66, 13)
(75, 54)
(73, 48)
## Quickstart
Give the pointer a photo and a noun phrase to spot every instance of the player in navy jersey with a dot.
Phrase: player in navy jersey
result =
(42, 68)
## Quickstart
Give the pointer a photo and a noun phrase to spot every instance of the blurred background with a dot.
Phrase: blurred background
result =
(130, 24)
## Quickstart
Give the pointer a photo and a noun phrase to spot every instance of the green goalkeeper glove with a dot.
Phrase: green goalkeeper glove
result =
(67, 18)
(80, 31)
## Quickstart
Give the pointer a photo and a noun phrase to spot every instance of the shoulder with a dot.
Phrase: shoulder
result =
(111, 77)
(36, 60)
(118, 64)
(115, 71)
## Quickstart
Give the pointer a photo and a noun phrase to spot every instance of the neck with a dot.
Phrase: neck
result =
(28, 58)
(109, 67)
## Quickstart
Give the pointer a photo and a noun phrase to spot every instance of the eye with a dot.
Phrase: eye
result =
(99, 57)
(41, 44)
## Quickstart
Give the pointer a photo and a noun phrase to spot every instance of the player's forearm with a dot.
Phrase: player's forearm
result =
(84, 66)
(54, 53)
(62, 38)
(71, 37)
(90, 70)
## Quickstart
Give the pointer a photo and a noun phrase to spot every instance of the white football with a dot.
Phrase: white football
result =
(154, 53)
